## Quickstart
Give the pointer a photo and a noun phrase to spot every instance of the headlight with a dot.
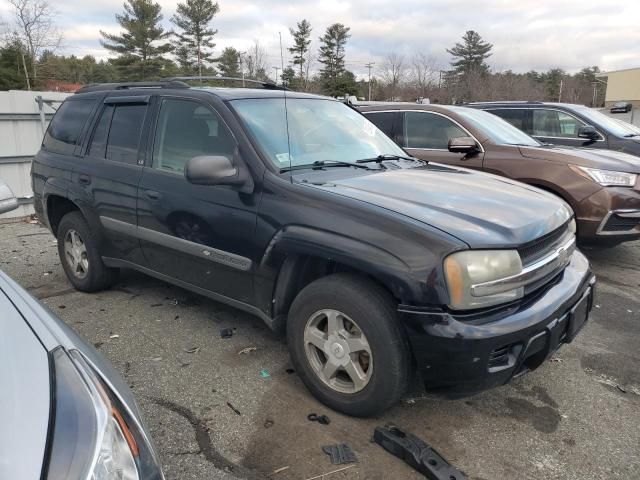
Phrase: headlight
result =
(606, 178)
(471, 267)
(572, 226)
(94, 437)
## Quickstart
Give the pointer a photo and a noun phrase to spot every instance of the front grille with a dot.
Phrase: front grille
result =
(620, 224)
(535, 250)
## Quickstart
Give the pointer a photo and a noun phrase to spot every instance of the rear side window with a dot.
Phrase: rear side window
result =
(382, 120)
(117, 133)
(429, 131)
(515, 116)
(64, 132)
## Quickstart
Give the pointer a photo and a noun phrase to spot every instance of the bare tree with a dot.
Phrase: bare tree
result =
(423, 71)
(308, 65)
(393, 72)
(36, 29)
(254, 60)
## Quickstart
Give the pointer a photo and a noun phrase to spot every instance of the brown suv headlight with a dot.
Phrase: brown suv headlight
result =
(467, 269)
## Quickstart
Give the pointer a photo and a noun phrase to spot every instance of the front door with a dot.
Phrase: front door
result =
(199, 234)
(426, 135)
(110, 171)
(560, 128)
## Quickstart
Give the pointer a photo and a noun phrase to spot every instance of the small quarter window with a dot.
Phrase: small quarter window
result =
(64, 132)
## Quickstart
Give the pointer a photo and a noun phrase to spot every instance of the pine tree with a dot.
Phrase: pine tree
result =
(193, 18)
(331, 55)
(229, 62)
(142, 43)
(470, 56)
(301, 42)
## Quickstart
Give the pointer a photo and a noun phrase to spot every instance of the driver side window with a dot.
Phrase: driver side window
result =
(188, 129)
(554, 123)
(429, 131)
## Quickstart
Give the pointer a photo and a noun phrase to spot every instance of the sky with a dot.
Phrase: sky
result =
(526, 34)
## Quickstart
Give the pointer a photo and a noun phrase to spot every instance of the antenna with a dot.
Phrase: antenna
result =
(286, 112)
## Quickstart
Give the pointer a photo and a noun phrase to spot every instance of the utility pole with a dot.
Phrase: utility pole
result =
(241, 54)
(370, 66)
(560, 93)
(276, 69)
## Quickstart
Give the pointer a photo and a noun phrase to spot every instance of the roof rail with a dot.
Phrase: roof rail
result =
(502, 102)
(99, 87)
(265, 85)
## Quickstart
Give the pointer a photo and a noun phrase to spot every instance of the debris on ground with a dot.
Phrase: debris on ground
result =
(247, 350)
(155, 305)
(323, 419)
(556, 360)
(264, 374)
(322, 476)
(237, 412)
(280, 470)
(290, 371)
(622, 389)
(156, 359)
(114, 335)
(62, 306)
(416, 453)
(226, 332)
(192, 350)
(268, 423)
(340, 454)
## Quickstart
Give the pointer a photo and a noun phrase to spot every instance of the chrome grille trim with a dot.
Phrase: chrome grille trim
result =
(554, 262)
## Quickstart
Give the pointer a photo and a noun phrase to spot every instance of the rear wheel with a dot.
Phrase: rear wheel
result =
(347, 345)
(80, 257)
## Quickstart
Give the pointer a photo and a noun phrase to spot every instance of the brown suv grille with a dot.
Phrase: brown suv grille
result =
(535, 250)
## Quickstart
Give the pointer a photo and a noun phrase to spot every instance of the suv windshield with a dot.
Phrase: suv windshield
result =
(497, 130)
(599, 119)
(319, 131)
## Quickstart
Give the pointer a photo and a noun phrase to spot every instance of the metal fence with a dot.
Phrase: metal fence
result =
(23, 120)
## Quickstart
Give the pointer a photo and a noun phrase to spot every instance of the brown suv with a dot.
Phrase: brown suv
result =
(601, 186)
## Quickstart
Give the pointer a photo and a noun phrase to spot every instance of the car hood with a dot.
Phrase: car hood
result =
(25, 401)
(587, 157)
(482, 210)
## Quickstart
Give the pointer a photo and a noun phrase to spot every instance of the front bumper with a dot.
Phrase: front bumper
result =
(612, 213)
(465, 355)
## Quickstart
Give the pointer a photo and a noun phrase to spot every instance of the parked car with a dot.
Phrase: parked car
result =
(601, 186)
(65, 412)
(621, 107)
(8, 200)
(297, 209)
(566, 124)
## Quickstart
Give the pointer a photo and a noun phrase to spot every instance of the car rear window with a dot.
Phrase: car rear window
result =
(64, 131)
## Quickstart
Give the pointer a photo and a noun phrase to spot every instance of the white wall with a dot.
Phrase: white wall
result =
(20, 138)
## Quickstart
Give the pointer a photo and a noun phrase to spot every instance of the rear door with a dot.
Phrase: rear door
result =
(199, 234)
(110, 171)
(426, 135)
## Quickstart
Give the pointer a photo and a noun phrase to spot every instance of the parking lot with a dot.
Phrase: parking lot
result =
(227, 408)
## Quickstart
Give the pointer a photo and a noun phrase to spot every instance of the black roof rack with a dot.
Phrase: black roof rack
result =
(99, 87)
(263, 84)
(506, 102)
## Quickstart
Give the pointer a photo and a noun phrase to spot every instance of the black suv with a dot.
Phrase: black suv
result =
(297, 209)
(567, 124)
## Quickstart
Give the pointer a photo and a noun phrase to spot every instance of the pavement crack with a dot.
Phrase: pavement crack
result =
(204, 440)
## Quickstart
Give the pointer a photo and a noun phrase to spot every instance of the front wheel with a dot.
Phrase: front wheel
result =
(347, 345)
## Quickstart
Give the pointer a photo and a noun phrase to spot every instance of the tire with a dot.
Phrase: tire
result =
(372, 310)
(91, 273)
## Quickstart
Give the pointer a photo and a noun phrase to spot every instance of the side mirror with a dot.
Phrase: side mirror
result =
(8, 200)
(464, 145)
(211, 170)
(588, 132)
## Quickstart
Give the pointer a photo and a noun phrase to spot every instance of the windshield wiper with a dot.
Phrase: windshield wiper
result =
(629, 135)
(389, 156)
(320, 164)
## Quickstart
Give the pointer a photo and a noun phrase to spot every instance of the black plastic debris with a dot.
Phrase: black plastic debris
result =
(226, 332)
(340, 454)
(417, 453)
(323, 419)
(235, 410)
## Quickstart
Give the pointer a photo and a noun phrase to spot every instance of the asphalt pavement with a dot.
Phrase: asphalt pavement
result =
(233, 408)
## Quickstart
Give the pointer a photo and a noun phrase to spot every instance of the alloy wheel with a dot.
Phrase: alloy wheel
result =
(75, 252)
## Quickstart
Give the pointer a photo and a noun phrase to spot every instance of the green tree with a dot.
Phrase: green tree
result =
(11, 67)
(301, 42)
(143, 42)
(229, 62)
(196, 39)
(331, 56)
(470, 55)
(288, 77)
